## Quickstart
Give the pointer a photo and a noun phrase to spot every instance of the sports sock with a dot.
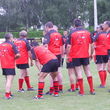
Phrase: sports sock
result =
(60, 87)
(20, 83)
(40, 89)
(81, 86)
(102, 77)
(55, 84)
(27, 80)
(72, 87)
(90, 82)
(51, 89)
(105, 77)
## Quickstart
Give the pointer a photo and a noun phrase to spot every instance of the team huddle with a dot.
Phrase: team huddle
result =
(79, 47)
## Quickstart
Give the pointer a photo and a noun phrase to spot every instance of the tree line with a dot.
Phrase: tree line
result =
(26, 13)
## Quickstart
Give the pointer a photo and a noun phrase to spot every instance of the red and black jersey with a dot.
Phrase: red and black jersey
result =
(43, 54)
(7, 54)
(79, 39)
(54, 41)
(23, 48)
(101, 43)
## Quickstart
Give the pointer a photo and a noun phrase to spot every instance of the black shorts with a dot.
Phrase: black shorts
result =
(109, 54)
(69, 65)
(59, 60)
(6, 71)
(101, 59)
(80, 61)
(22, 66)
(51, 66)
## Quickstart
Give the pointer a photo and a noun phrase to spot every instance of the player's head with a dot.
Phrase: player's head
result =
(99, 28)
(106, 25)
(55, 28)
(23, 34)
(65, 33)
(9, 36)
(48, 26)
(77, 22)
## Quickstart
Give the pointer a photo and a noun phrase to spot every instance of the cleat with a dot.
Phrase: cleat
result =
(81, 94)
(70, 90)
(56, 95)
(48, 93)
(101, 86)
(36, 97)
(8, 97)
(77, 88)
(21, 90)
(31, 89)
(92, 93)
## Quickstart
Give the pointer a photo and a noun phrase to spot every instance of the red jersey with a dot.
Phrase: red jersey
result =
(101, 44)
(7, 55)
(23, 48)
(79, 40)
(43, 54)
(108, 40)
(54, 41)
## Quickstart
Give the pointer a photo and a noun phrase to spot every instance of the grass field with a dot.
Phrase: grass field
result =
(66, 101)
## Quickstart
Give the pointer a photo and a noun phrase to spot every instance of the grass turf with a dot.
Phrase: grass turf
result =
(66, 101)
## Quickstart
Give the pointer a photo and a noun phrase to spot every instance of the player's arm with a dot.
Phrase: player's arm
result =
(29, 52)
(68, 47)
(17, 54)
(46, 40)
(38, 65)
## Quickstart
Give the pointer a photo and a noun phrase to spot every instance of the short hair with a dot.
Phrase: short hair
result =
(107, 22)
(49, 24)
(8, 36)
(23, 33)
(100, 26)
(77, 22)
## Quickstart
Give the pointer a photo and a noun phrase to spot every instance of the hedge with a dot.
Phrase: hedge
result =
(32, 34)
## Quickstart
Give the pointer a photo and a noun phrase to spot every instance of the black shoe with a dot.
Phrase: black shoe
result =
(101, 86)
(80, 94)
(48, 93)
(21, 90)
(77, 88)
(56, 95)
(31, 89)
(70, 90)
(8, 97)
(92, 93)
(36, 97)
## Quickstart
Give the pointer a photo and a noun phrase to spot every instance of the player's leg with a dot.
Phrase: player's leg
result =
(89, 78)
(78, 70)
(71, 73)
(41, 85)
(60, 81)
(9, 80)
(27, 80)
(55, 83)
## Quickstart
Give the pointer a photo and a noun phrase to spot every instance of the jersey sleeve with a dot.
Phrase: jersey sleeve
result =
(33, 54)
(15, 49)
(69, 39)
(95, 37)
(28, 45)
(46, 39)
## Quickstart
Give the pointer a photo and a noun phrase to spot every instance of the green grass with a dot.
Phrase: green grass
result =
(66, 101)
